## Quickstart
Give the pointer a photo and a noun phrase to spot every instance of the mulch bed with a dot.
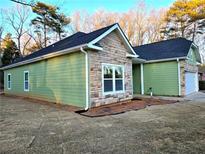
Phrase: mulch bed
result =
(104, 110)
(118, 108)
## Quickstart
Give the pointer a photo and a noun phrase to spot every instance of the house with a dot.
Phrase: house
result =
(83, 70)
(201, 73)
(170, 68)
(92, 69)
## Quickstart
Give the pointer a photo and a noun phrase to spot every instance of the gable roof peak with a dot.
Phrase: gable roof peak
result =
(73, 42)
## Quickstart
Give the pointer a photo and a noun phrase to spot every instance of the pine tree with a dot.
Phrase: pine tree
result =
(10, 52)
(60, 21)
(44, 18)
(183, 18)
(48, 18)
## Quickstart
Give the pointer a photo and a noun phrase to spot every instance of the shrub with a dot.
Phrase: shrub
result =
(201, 85)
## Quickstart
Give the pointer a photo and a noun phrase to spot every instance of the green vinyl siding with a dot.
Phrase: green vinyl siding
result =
(60, 79)
(192, 57)
(136, 79)
(161, 76)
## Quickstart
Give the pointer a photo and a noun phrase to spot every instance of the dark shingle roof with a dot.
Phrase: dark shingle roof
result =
(76, 39)
(173, 48)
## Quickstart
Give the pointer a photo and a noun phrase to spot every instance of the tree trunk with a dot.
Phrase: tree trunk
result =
(19, 45)
(194, 32)
(182, 30)
(59, 35)
(45, 34)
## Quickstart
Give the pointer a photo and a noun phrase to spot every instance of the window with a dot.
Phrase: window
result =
(8, 81)
(26, 81)
(113, 78)
(118, 78)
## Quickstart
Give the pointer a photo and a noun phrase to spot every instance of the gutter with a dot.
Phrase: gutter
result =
(86, 80)
(61, 52)
(55, 54)
(166, 59)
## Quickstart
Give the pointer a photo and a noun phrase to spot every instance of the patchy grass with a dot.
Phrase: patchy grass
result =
(28, 127)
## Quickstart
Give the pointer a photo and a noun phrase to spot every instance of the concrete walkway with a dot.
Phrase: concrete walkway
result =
(198, 96)
(179, 99)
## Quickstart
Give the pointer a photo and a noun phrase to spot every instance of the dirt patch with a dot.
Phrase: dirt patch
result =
(118, 108)
(69, 108)
(27, 127)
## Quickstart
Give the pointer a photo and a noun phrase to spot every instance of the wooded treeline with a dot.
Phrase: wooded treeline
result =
(26, 29)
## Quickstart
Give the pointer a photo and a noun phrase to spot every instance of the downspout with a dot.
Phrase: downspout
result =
(179, 75)
(86, 80)
(142, 78)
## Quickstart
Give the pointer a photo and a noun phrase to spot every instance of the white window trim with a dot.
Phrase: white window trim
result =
(24, 80)
(9, 88)
(113, 79)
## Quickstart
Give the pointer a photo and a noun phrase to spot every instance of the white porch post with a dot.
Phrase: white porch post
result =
(142, 78)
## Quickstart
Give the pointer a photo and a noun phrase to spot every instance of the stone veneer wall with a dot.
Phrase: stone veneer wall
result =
(114, 52)
(185, 66)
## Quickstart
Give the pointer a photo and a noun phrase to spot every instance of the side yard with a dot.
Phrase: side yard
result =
(27, 127)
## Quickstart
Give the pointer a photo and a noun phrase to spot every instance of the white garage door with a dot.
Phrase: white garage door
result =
(191, 82)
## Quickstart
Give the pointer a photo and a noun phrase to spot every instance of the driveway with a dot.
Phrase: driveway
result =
(27, 127)
(198, 96)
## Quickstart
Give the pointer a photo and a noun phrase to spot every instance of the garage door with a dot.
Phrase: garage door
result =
(191, 82)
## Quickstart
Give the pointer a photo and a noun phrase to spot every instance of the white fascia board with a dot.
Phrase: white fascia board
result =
(193, 44)
(62, 52)
(167, 59)
(108, 32)
(131, 55)
(94, 47)
(139, 60)
(197, 52)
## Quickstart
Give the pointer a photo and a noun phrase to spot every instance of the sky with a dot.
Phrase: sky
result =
(69, 6)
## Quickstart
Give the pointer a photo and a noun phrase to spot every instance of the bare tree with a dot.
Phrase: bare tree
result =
(1, 28)
(17, 19)
(139, 23)
(156, 22)
(76, 21)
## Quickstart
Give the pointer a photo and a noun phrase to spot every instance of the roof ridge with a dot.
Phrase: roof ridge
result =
(53, 44)
(78, 38)
(162, 41)
(66, 38)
